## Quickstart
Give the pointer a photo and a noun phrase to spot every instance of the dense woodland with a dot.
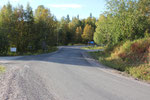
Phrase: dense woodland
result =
(125, 30)
(30, 31)
(124, 20)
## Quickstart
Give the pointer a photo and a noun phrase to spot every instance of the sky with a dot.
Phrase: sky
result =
(61, 8)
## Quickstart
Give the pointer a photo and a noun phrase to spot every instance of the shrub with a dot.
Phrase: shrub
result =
(132, 57)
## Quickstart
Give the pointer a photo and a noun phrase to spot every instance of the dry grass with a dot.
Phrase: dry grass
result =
(93, 48)
(132, 57)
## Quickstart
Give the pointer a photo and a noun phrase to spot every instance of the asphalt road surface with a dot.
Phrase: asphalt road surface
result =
(65, 75)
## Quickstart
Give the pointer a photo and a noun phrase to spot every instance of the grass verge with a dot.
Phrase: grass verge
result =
(93, 48)
(132, 57)
(51, 49)
(141, 71)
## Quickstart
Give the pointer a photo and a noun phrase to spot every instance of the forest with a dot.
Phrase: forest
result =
(31, 31)
(125, 31)
(124, 20)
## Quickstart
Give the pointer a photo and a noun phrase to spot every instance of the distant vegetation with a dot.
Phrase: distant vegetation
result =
(31, 32)
(26, 31)
(124, 20)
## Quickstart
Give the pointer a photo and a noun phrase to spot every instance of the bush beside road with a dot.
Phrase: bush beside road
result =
(132, 57)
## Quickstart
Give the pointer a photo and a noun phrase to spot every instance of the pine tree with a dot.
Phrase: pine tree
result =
(29, 18)
(6, 27)
(68, 19)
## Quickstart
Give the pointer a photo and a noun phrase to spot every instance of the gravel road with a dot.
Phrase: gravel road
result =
(65, 75)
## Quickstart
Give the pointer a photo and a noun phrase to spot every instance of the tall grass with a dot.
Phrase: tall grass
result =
(132, 57)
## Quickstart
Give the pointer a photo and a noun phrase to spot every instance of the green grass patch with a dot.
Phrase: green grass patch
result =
(49, 50)
(2, 68)
(93, 48)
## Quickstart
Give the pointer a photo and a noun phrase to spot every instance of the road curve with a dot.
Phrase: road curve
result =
(66, 75)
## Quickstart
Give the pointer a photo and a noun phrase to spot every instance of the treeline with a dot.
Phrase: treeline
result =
(26, 31)
(31, 31)
(75, 30)
(124, 20)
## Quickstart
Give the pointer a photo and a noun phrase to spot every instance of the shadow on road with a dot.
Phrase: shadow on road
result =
(66, 55)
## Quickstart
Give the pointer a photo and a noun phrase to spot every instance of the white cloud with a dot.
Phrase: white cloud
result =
(30, 0)
(65, 5)
(14, 0)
